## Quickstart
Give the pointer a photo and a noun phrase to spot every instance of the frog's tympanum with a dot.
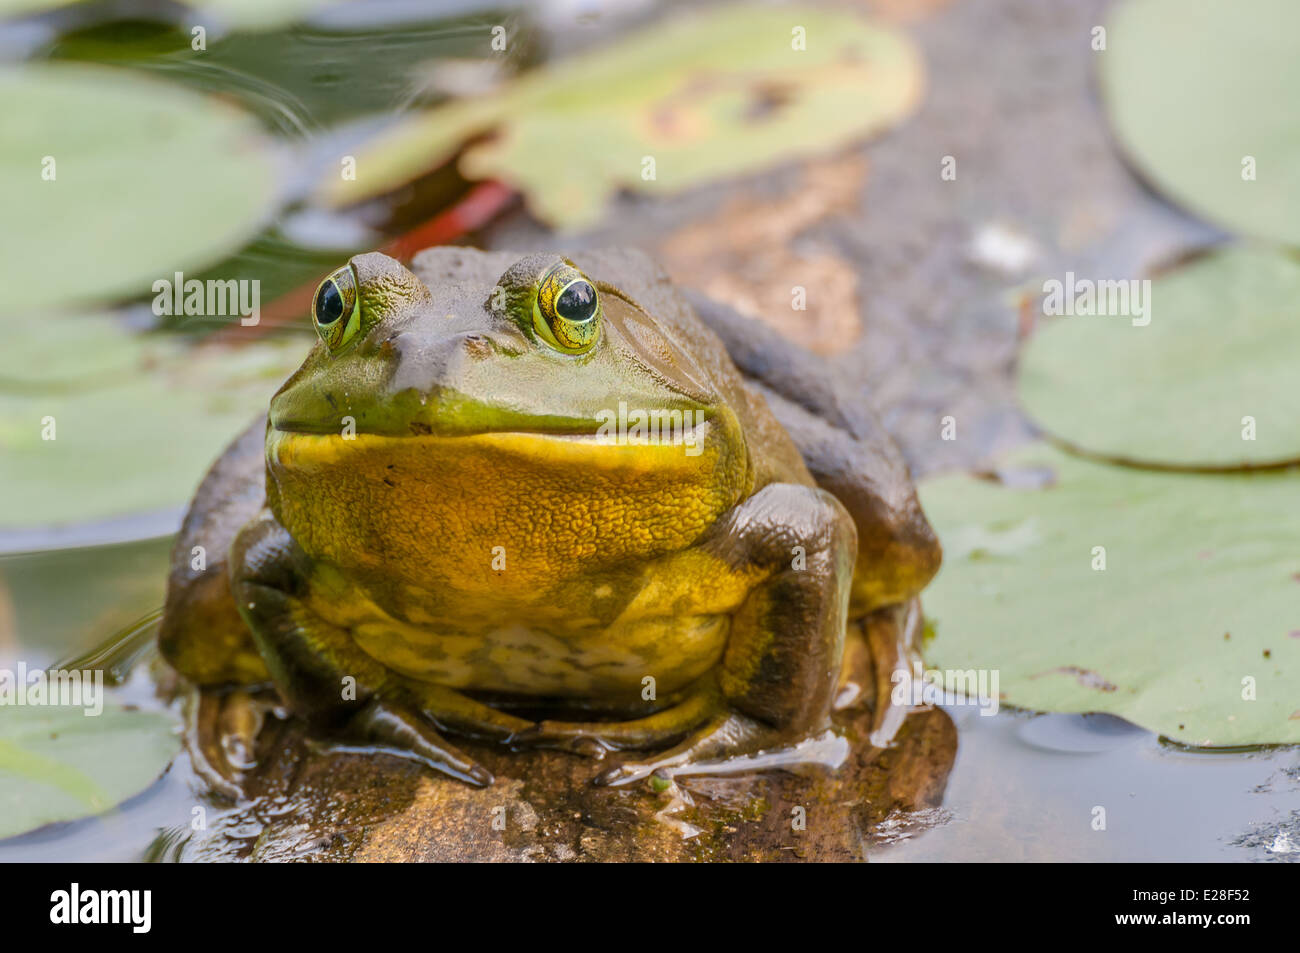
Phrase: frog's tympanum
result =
(533, 500)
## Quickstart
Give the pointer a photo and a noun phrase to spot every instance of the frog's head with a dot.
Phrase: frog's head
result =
(545, 350)
(519, 398)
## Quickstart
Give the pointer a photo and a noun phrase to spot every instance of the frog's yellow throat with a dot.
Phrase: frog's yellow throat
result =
(435, 504)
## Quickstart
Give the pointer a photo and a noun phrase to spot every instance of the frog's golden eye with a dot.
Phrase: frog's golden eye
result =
(336, 309)
(567, 312)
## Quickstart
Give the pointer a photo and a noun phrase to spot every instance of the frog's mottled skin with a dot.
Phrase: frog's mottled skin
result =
(428, 515)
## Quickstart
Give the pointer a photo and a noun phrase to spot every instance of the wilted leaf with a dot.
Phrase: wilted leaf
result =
(1193, 610)
(147, 179)
(1223, 344)
(59, 764)
(717, 93)
(1201, 97)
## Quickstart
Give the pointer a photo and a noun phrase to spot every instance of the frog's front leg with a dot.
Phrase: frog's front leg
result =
(309, 659)
(781, 666)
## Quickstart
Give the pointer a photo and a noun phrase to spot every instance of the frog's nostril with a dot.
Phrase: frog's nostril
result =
(422, 360)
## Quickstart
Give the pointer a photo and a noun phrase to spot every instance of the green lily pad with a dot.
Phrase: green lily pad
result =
(59, 764)
(74, 353)
(17, 8)
(260, 14)
(1222, 345)
(1189, 126)
(716, 93)
(245, 14)
(133, 441)
(1200, 591)
(148, 179)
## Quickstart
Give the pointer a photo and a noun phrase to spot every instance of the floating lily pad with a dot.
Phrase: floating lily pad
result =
(260, 14)
(1195, 89)
(59, 764)
(718, 93)
(245, 14)
(1223, 344)
(133, 440)
(148, 179)
(1200, 591)
(74, 353)
(18, 8)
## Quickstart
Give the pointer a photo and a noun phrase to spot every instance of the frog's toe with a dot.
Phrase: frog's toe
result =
(719, 740)
(407, 734)
(734, 744)
(574, 737)
(625, 772)
(221, 737)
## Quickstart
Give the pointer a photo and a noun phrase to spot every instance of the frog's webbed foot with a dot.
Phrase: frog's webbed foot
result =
(730, 744)
(596, 738)
(221, 730)
(405, 732)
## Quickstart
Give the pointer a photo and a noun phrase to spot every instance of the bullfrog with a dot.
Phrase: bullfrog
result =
(548, 501)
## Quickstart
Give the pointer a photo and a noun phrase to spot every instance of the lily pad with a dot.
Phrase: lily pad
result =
(120, 180)
(1198, 604)
(1222, 345)
(260, 14)
(245, 14)
(18, 8)
(1196, 90)
(717, 93)
(132, 441)
(76, 352)
(59, 764)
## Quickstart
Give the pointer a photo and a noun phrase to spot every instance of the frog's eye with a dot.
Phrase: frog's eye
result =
(567, 312)
(336, 309)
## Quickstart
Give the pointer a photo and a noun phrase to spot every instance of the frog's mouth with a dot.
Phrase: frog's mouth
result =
(684, 428)
(680, 444)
